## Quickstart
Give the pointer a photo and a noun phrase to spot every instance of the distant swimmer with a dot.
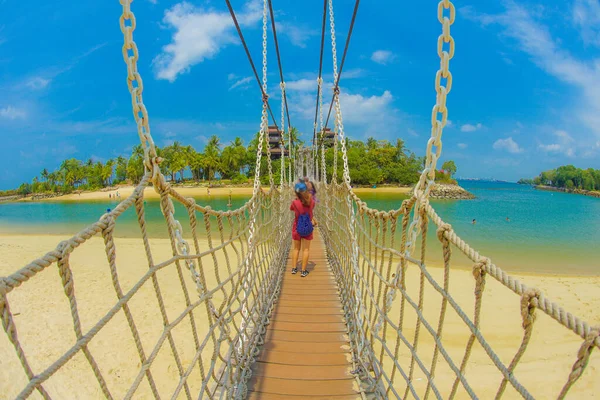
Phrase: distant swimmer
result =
(474, 221)
(507, 219)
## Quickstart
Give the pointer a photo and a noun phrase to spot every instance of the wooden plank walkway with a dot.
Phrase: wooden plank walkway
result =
(306, 351)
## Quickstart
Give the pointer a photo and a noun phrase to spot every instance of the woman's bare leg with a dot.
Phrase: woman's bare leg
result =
(305, 252)
(295, 253)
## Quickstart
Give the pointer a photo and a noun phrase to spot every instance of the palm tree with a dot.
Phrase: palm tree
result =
(121, 170)
(400, 148)
(106, 172)
(178, 159)
(233, 157)
(135, 165)
(45, 174)
(212, 156)
(196, 164)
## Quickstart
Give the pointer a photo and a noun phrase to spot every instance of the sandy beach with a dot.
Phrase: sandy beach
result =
(45, 326)
(192, 191)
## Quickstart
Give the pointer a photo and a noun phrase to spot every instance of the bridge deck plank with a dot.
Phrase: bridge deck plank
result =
(306, 351)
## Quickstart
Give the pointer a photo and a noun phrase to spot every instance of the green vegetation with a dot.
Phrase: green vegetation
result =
(568, 177)
(371, 162)
(445, 174)
(525, 181)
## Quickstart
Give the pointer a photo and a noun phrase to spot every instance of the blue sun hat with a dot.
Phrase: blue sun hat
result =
(300, 187)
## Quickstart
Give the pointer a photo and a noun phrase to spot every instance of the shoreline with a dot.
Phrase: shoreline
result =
(184, 190)
(431, 263)
(589, 193)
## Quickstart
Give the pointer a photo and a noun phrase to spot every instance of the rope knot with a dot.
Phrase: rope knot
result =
(479, 269)
(3, 287)
(442, 231)
(336, 90)
(583, 357)
(529, 302)
(265, 98)
(63, 248)
(479, 272)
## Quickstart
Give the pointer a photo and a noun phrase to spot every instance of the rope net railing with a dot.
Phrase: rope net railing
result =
(413, 336)
(203, 310)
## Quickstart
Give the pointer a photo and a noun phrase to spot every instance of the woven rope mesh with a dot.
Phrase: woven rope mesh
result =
(203, 315)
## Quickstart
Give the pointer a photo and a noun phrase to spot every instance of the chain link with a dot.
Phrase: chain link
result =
(363, 348)
(151, 160)
(140, 113)
(264, 85)
(427, 178)
(136, 88)
(321, 128)
(335, 77)
(282, 136)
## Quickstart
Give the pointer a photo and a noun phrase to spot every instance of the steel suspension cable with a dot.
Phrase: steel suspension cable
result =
(320, 69)
(337, 82)
(287, 111)
(239, 30)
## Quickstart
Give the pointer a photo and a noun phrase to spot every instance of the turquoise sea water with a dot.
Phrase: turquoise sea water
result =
(548, 232)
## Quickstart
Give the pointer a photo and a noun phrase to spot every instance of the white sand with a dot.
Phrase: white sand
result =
(196, 192)
(45, 325)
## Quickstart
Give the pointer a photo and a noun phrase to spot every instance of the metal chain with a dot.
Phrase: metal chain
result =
(427, 179)
(335, 76)
(264, 85)
(282, 137)
(323, 169)
(136, 87)
(254, 205)
(291, 153)
(151, 160)
(363, 352)
(140, 114)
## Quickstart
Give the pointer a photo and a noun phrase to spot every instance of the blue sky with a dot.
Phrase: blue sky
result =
(525, 97)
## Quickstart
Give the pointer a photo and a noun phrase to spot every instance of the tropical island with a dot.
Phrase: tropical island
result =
(372, 163)
(569, 179)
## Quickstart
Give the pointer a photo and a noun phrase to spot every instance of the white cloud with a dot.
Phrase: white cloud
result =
(199, 35)
(231, 76)
(303, 85)
(564, 144)
(586, 16)
(363, 115)
(535, 39)
(550, 147)
(298, 35)
(383, 57)
(508, 144)
(310, 84)
(470, 128)
(11, 112)
(449, 123)
(361, 109)
(462, 145)
(241, 82)
(37, 83)
(412, 132)
(153, 1)
(564, 136)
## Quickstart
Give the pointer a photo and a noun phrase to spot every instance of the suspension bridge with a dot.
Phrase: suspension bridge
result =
(357, 327)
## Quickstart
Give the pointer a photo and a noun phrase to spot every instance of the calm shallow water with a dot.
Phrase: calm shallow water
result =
(548, 232)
